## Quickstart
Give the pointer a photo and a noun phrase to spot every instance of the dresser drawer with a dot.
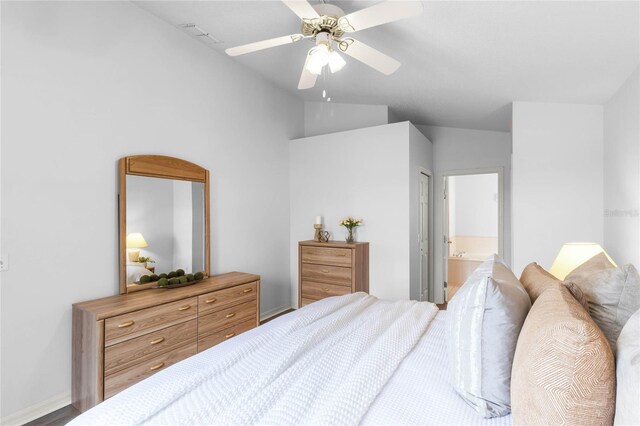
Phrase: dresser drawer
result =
(314, 290)
(306, 302)
(206, 342)
(123, 355)
(326, 256)
(125, 378)
(134, 324)
(207, 324)
(221, 299)
(324, 273)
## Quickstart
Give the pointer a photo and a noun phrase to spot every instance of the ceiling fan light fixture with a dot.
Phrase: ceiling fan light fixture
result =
(336, 62)
(318, 58)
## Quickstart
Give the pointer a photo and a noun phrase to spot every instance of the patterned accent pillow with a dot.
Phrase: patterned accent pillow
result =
(536, 280)
(563, 369)
(628, 373)
(483, 323)
(613, 293)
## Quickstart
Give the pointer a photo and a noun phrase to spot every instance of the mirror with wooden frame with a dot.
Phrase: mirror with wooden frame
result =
(164, 221)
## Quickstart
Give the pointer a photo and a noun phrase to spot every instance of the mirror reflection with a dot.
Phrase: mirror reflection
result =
(165, 227)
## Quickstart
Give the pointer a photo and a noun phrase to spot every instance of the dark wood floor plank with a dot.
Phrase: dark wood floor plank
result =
(57, 418)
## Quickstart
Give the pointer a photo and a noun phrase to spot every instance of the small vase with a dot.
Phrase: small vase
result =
(351, 236)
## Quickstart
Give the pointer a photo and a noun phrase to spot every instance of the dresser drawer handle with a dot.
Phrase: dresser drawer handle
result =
(326, 271)
(158, 340)
(157, 366)
(126, 324)
(247, 290)
(232, 314)
(230, 335)
(342, 254)
(325, 289)
(184, 308)
(213, 299)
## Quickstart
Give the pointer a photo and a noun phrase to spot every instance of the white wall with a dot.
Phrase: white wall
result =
(83, 84)
(476, 205)
(420, 160)
(182, 226)
(622, 173)
(369, 179)
(460, 150)
(557, 179)
(321, 118)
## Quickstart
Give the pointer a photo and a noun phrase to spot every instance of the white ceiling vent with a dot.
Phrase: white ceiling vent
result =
(202, 35)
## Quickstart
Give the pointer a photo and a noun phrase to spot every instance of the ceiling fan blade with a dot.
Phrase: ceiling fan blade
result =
(302, 8)
(369, 56)
(264, 44)
(381, 13)
(307, 78)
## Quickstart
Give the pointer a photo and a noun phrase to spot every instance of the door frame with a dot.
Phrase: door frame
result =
(440, 268)
(430, 238)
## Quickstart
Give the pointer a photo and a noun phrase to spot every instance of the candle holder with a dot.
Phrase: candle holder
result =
(320, 235)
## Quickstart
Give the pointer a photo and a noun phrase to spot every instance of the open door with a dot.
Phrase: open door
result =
(425, 270)
(445, 240)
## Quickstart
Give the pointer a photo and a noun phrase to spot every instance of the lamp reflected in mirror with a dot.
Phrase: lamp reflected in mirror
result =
(135, 241)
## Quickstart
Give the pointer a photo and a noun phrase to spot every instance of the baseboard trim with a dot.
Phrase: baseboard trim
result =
(37, 410)
(273, 312)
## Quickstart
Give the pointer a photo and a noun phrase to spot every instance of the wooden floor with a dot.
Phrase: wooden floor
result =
(58, 417)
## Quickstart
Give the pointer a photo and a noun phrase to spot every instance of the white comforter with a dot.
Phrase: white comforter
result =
(325, 366)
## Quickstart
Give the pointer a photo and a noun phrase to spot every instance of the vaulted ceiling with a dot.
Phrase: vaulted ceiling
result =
(463, 63)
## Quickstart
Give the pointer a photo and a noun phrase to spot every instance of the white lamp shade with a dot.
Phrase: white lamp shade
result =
(136, 240)
(318, 58)
(572, 255)
(336, 62)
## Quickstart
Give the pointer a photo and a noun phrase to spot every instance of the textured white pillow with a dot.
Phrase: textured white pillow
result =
(628, 373)
(613, 293)
(484, 321)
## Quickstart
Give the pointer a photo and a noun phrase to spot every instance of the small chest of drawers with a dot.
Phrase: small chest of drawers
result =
(120, 340)
(331, 269)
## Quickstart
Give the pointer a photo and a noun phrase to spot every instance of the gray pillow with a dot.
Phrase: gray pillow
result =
(484, 321)
(613, 293)
(628, 373)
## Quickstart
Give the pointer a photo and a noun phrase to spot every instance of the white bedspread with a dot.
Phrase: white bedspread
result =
(326, 364)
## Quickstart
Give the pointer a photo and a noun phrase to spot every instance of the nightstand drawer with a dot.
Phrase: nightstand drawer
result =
(123, 355)
(221, 299)
(225, 334)
(326, 256)
(314, 290)
(125, 378)
(207, 324)
(324, 273)
(134, 324)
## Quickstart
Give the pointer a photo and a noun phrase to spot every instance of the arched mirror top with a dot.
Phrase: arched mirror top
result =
(164, 222)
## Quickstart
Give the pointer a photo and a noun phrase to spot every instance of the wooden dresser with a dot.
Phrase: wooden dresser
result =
(120, 340)
(331, 269)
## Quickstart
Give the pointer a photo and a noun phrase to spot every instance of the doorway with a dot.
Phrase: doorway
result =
(472, 224)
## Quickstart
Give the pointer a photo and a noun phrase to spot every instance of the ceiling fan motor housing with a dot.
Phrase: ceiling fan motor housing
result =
(328, 21)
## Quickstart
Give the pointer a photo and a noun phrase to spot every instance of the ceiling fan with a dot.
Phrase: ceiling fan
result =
(327, 25)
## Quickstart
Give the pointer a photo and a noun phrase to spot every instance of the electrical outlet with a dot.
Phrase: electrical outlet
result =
(4, 262)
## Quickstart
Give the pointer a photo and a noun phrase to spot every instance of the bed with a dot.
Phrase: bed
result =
(343, 360)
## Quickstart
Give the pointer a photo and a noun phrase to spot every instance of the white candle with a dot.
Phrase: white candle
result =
(318, 220)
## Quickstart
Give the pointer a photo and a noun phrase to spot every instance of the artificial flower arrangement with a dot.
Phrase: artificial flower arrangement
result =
(350, 223)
